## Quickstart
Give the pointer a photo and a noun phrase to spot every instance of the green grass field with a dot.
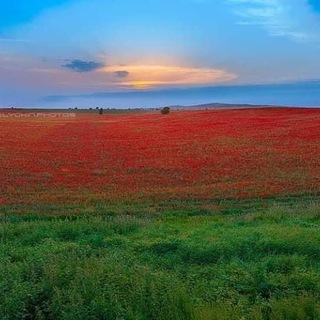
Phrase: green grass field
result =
(228, 259)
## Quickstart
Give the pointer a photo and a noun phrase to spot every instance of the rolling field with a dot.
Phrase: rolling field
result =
(150, 158)
(211, 214)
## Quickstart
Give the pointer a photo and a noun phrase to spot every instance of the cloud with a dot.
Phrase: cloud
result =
(155, 76)
(283, 18)
(83, 66)
(12, 40)
(121, 74)
(304, 93)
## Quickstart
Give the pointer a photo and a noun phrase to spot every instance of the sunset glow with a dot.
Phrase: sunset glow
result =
(147, 76)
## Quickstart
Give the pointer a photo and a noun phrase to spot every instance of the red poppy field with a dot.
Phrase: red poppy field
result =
(149, 157)
(194, 215)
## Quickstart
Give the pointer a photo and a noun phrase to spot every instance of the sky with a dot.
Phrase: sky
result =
(150, 53)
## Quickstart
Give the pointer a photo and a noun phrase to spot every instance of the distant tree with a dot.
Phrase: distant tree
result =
(165, 110)
(100, 111)
(97, 108)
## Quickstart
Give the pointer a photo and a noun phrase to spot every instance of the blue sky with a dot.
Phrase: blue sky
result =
(130, 53)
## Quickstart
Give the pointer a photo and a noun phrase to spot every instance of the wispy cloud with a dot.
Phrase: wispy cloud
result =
(13, 40)
(290, 18)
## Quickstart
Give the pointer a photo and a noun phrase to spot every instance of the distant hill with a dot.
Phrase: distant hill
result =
(221, 106)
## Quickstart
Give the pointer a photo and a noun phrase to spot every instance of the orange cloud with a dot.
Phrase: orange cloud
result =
(148, 76)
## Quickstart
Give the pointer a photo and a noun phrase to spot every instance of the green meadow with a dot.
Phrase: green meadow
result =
(223, 259)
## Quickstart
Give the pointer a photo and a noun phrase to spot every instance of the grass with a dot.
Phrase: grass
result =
(231, 259)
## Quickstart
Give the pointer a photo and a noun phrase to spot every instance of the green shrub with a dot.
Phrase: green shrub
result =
(165, 110)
